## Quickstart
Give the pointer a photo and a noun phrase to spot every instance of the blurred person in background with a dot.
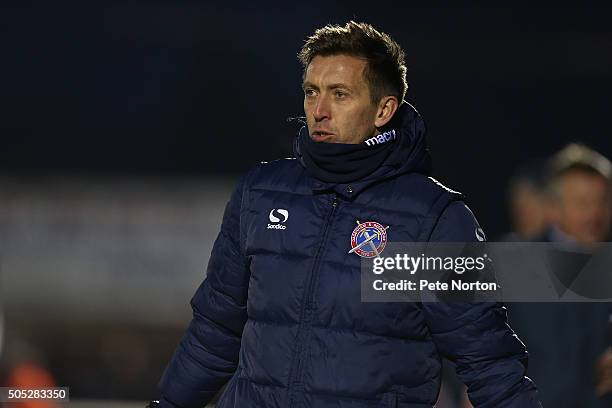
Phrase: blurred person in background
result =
(26, 368)
(29, 375)
(568, 341)
(528, 202)
(279, 317)
(580, 194)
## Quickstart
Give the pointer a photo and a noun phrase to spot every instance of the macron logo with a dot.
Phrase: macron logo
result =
(382, 138)
(278, 216)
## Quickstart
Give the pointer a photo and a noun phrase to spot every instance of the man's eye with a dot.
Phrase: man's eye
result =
(340, 94)
(309, 92)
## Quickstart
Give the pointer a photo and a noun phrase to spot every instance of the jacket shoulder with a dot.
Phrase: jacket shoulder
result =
(441, 187)
(286, 175)
(424, 195)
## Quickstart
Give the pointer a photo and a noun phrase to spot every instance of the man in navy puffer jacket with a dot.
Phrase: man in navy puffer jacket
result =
(279, 317)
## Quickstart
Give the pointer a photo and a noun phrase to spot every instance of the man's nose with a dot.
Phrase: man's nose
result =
(322, 109)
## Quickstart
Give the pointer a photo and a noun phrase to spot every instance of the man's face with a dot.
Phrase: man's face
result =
(584, 207)
(337, 100)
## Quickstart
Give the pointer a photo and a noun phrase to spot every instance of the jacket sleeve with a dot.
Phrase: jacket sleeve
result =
(207, 355)
(490, 359)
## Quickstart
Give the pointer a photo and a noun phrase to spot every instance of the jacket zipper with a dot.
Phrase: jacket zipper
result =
(307, 306)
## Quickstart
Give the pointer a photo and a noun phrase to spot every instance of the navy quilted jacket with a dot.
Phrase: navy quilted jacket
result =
(279, 316)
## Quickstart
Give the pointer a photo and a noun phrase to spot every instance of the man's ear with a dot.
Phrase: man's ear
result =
(386, 109)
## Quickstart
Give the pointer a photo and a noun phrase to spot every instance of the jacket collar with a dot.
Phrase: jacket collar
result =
(410, 155)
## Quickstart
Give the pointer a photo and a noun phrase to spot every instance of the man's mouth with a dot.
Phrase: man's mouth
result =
(321, 136)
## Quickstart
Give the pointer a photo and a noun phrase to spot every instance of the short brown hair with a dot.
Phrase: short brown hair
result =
(576, 157)
(385, 70)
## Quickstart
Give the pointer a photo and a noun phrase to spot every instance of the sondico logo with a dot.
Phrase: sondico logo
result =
(278, 217)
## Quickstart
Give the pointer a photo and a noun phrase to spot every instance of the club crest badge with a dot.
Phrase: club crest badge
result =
(368, 239)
